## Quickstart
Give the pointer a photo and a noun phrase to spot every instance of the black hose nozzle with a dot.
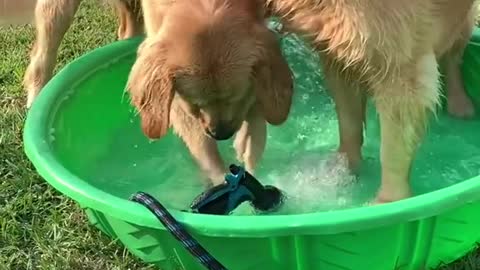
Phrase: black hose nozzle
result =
(239, 186)
(266, 197)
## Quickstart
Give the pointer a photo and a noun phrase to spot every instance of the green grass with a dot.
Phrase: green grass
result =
(40, 228)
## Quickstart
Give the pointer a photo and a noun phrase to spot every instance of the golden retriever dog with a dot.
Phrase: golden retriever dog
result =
(390, 51)
(210, 69)
(52, 20)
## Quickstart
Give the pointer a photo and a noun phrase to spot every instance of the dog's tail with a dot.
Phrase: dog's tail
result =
(15, 12)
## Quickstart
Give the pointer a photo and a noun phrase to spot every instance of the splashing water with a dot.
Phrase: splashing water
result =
(316, 183)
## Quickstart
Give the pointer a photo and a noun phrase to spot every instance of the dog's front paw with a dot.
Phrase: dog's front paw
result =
(216, 178)
(351, 159)
(31, 96)
(387, 196)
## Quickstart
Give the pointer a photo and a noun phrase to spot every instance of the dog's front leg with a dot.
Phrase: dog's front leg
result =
(404, 103)
(250, 140)
(350, 105)
(202, 148)
(52, 20)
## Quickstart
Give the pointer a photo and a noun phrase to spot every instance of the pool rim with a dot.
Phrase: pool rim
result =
(37, 149)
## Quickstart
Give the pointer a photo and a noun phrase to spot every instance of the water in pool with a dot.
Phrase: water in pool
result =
(300, 156)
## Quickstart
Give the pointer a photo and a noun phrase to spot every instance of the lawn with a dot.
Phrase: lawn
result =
(40, 228)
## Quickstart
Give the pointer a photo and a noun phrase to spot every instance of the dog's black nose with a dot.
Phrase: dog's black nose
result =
(220, 134)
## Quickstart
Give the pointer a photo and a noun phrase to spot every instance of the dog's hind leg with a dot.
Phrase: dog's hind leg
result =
(52, 20)
(250, 140)
(404, 102)
(458, 102)
(130, 17)
(350, 105)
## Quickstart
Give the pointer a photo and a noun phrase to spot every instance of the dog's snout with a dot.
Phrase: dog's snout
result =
(220, 132)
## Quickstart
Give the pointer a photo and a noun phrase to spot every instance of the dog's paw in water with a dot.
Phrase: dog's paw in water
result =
(388, 197)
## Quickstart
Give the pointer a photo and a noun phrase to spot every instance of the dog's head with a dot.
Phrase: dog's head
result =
(218, 59)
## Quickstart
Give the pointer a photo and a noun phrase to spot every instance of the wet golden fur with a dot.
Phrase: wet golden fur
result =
(388, 50)
(52, 20)
(210, 69)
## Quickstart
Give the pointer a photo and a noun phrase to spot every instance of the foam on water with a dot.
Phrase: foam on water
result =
(316, 183)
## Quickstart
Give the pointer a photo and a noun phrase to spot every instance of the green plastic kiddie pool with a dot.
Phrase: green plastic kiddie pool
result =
(84, 138)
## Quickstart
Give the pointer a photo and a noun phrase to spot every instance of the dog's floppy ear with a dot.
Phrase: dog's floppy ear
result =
(150, 84)
(273, 79)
